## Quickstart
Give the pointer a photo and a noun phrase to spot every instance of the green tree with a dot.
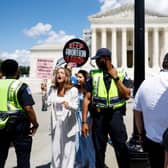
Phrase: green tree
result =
(24, 70)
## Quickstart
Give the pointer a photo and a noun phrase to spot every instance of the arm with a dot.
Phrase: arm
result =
(86, 101)
(72, 104)
(26, 101)
(32, 118)
(166, 160)
(139, 123)
(124, 91)
(165, 146)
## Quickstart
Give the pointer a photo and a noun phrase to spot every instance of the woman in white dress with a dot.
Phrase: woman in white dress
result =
(63, 98)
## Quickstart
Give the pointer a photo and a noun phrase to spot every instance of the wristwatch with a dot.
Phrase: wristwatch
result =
(116, 79)
(36, 125)
(84, 122)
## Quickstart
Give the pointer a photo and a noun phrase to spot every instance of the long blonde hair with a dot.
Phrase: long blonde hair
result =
(67, 83)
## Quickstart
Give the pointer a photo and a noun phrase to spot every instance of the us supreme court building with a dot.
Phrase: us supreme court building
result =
(114, 29)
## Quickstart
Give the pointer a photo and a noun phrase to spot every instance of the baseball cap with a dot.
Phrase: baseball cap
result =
(102, 52)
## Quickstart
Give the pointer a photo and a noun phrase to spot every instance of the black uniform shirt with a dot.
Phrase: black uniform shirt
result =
(24, 96)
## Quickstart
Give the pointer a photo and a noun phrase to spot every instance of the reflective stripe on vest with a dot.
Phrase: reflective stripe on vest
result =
(8, 95)
(101, 98)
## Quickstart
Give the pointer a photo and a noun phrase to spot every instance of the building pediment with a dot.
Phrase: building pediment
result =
(123, 12)
(47, 47)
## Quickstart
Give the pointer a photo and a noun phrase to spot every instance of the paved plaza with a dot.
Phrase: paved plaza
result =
(41, 150)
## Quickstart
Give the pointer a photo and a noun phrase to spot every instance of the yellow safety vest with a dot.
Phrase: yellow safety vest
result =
(8, 99)
(100, 97)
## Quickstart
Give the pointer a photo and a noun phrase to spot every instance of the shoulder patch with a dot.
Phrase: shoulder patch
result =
(28, 90)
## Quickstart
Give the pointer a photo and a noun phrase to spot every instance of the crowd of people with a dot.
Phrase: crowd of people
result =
(86, 110)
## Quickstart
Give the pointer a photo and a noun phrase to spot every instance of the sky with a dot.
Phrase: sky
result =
(26, 23)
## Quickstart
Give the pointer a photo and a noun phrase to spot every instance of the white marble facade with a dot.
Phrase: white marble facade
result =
(114, 29)
(48, 52)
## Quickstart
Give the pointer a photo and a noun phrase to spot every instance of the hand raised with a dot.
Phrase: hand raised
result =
(110, 68)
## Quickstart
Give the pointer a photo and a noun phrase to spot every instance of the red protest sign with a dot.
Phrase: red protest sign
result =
(76, 51)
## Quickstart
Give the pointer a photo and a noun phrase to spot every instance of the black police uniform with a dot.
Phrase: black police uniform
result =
(108, 122)
(19, 136)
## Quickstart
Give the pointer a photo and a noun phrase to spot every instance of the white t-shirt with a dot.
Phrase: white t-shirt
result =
(152, 99)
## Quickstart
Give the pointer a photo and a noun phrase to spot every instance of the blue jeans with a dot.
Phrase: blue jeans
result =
(22, 145)
(110, 123)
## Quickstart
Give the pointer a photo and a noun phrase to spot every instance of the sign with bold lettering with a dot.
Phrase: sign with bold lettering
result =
(76, 51)
(44, 68)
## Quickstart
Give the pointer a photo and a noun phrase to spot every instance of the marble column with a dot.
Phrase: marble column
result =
(155, 48)
(146, 49)
(124, 48)
(114, 47)
(103, 38)
(165, 41)
(94, 41)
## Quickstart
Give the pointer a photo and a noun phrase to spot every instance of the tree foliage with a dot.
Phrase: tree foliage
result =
(24, 70)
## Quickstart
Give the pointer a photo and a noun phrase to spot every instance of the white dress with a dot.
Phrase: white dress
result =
(63, 128)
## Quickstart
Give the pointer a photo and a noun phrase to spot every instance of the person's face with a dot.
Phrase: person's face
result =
(80, 79)
(60, 75)
(101, 63)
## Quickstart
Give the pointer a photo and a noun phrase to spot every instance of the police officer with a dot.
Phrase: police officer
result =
(107, 93)
(18, 121)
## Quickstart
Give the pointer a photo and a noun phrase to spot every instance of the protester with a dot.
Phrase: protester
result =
(85, 156)
(107, 91)
(150, 108)
(18, 121)
(44, 95)
(63, 98)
